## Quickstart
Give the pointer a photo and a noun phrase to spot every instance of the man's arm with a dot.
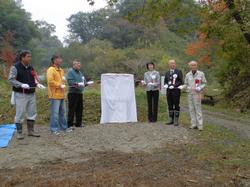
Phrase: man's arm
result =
(12, 78)
(70, 79)
(203, 81)
(180, 79)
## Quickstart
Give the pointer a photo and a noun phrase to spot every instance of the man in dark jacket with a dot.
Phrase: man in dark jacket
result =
(173, 79)
(24, 80)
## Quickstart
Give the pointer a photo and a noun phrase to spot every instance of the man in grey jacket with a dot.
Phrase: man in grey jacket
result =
(24, 80)
(195, 83)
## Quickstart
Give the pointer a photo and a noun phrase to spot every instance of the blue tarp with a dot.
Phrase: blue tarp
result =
(6, 133)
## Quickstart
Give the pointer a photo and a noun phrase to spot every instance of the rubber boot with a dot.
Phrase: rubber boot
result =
(30, 126)
(176, 118)
(171, 117)
(19, 129)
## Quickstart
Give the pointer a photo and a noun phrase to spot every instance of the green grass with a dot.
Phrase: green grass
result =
(218, 147)
(222, 149)
(92, 106)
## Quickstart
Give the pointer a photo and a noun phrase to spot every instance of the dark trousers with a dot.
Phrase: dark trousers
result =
(75, 108)
(173, 97)
(153, 97)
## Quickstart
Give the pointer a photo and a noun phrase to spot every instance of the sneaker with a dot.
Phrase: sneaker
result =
(193, 127)
(56, 133)
(69, 130)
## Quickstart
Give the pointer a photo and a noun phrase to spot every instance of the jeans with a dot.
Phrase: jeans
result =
(57, 115)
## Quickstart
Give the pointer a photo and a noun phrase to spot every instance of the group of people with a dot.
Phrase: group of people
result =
(194, 83)
(24, 81)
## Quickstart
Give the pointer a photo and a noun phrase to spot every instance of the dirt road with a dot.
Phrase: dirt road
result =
(138, 154)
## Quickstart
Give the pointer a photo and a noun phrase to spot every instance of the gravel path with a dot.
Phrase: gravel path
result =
(239, 126)
(127, 138)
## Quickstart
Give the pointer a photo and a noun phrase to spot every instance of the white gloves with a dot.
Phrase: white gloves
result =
(81, 84)
(181, 87)
(63, 86)
(90, 82)
(143, 82)
(25, 86)
(198, 89)
(40, 86)
(168, 87)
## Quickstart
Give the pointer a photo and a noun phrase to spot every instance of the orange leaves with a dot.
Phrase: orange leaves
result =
(205, 60)
(202, 49)
(219, 7)
(7, 54)
(194, 47)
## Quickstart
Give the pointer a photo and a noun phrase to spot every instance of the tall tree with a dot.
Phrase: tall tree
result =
(15, 20)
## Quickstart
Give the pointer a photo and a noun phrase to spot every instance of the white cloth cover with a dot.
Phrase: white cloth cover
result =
(118, 98)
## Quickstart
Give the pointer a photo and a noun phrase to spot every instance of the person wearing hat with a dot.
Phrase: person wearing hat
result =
(173, 79)
(195, 82)
(56, 93)
(24, 80)
(152, 82)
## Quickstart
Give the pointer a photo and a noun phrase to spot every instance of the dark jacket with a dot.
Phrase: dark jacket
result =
(169, 78)
(25, 75)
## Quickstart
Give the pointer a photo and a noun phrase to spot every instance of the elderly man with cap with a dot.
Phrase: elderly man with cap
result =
(195, 82)
(76, 84)
(173, 79)
(24, 80)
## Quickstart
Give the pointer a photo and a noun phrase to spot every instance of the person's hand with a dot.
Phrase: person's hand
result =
(143, 82)
(150, 84)
(181, 87)
(198, 89)
(171, 87)
(81, 84)
(25, 86)
(165, 86)
(90, 82)
(40, 86)
(63, 86)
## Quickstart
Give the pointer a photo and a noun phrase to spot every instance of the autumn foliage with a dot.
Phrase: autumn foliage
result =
(202, 48)
(7, 54)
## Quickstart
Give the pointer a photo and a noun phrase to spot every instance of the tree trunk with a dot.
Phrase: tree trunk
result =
(237, 17)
